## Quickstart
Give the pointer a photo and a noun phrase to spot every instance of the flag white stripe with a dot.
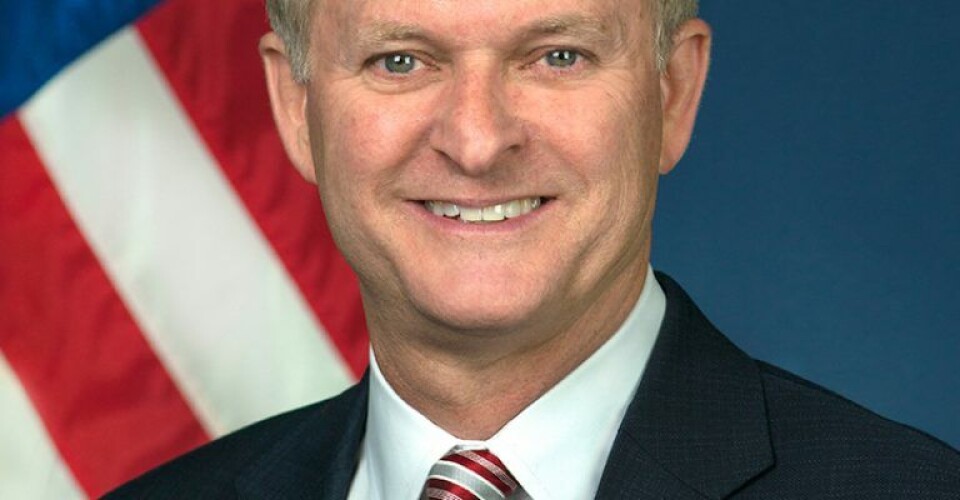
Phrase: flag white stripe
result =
(202, 282)
(30, 466)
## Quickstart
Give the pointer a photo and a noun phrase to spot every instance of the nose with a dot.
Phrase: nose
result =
(476, 124)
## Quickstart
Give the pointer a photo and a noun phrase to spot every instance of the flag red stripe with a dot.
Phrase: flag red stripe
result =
(108, 404)
(208, 52)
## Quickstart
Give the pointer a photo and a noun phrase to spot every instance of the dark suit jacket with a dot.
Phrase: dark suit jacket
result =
(707, 422)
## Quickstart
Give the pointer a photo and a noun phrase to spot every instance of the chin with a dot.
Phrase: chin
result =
(481, 315)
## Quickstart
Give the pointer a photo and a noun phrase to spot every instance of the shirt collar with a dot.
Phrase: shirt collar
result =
(556, 447)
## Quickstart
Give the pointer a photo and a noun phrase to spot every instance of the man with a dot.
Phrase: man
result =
(489, 169)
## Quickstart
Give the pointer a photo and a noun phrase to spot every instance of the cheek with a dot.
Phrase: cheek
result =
(611, 144)
(367, 140)
(604, 136)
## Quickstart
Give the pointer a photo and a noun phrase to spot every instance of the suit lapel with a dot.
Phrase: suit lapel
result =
(697, 427)
(318, 458)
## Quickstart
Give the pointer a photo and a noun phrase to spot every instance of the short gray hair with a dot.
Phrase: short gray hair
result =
(670, 15)
(291, 20)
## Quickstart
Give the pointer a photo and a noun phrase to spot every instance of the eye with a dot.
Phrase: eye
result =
(562, 58)
(400, 64)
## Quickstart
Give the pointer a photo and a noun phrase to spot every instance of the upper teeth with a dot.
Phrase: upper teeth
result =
(492, 213)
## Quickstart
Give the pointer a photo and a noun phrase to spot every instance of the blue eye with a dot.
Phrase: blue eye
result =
(400, 63)
(562, 58)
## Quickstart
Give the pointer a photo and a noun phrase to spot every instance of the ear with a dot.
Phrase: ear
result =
(682, 85)
(288, 99)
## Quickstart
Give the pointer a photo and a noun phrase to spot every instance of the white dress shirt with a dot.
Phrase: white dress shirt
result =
(556, 447)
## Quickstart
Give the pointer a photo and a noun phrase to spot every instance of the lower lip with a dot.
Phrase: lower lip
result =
(506, 226)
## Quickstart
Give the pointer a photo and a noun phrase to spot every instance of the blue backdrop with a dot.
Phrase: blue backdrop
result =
(816, 217)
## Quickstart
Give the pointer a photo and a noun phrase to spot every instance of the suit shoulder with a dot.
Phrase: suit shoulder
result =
(813, 428)
(211, 470)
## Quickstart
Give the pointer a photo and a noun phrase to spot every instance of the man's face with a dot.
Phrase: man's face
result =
(544, 118)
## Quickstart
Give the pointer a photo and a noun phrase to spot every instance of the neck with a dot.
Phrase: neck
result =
(473, 386)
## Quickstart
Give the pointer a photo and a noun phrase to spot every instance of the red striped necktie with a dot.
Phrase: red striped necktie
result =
(469, 474)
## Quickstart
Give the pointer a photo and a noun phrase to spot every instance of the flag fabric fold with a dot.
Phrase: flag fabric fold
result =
(165, 276)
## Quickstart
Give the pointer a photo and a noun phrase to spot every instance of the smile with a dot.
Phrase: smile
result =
(479, 215)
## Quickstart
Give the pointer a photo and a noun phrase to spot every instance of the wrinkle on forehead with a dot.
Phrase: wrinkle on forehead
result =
(345, 7)
(578, 26)
(359, 25)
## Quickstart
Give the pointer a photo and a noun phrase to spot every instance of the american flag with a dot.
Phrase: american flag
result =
(165, 276)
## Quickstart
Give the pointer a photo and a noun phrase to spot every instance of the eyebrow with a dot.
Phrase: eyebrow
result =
(380, 33)
(579, 26)
(575, 26)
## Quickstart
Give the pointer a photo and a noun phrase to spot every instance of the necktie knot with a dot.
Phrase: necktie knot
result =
(469, 474)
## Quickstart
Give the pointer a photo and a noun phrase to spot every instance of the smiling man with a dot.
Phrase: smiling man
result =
(489, 169)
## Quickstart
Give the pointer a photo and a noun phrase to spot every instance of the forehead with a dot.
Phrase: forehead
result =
(468, 18)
